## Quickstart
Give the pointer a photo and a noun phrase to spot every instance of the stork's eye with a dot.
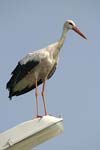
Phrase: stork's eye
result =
(70, 23)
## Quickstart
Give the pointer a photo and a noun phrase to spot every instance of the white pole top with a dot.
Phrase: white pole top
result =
(31, 133)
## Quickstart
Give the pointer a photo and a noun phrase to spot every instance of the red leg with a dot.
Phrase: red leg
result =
(43, 96)
(36, 94)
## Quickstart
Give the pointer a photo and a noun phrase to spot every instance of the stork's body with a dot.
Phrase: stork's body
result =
(35, 68)
(38, 65)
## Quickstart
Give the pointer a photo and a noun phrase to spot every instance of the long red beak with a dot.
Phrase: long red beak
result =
(79, 32)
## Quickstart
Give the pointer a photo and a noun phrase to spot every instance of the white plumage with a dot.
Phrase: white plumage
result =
(35, 68)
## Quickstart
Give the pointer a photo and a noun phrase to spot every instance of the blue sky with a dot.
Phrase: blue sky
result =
(74, 90)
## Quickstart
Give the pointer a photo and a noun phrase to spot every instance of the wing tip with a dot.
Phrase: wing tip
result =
(10, 91)
(10, 97)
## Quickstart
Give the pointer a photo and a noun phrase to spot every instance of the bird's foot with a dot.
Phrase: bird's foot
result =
(38, 116)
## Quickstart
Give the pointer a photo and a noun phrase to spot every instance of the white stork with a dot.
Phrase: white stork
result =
(37, 67)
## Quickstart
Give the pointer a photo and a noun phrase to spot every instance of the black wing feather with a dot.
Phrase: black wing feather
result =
(25, 90)
(19, 73)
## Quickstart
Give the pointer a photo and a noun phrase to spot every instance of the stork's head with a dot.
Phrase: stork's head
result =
(70, 25)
